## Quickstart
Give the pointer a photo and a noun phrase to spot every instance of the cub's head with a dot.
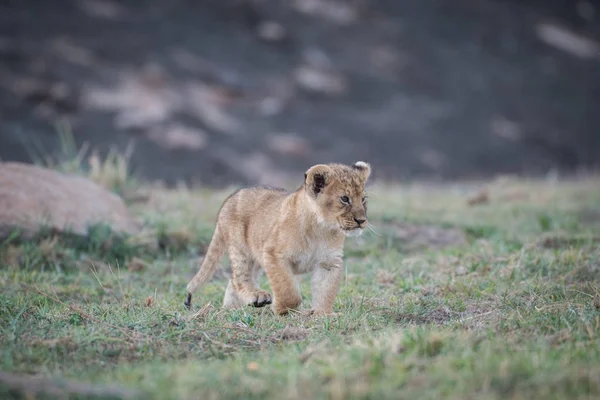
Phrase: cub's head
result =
(337, 195)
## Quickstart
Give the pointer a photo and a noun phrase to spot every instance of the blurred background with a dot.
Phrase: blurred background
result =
(255, 91)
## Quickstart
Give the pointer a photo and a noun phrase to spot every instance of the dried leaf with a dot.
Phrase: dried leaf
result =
(149, 301)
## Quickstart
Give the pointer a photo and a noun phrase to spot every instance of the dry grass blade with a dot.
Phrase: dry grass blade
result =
(201, 313)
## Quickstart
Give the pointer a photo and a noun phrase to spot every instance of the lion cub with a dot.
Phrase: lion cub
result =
(288, 234)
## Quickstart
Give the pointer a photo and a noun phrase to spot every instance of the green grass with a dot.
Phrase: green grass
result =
(494, 301)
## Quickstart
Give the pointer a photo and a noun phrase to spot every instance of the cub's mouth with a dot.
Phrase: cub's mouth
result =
(353, 231)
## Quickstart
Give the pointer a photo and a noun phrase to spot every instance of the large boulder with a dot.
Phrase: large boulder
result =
(32, 198)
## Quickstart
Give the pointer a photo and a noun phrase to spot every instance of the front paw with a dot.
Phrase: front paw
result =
(260, 299)
(284, 306)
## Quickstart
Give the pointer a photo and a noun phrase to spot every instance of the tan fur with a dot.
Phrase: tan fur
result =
(288, 234)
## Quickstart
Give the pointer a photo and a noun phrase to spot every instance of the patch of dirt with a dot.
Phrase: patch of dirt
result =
(413, 237)
(437, 317)
(554, 241)
(292, 333)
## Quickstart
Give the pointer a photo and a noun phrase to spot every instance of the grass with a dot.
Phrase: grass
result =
(493, 301)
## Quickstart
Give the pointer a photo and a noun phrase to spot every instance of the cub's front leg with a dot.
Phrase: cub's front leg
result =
(286, 295)
(325, 284)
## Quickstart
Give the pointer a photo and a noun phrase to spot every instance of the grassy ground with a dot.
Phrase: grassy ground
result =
(448, 300)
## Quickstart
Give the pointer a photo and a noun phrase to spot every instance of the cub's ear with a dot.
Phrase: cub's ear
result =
(317, 178)
(363, 168)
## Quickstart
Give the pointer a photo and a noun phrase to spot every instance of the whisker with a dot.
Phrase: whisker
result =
(372, 229)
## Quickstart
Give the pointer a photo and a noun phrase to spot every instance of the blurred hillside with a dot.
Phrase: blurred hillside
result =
(239, 91)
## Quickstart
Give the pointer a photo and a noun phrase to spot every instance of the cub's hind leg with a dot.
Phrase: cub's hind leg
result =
(232, 300)
(242, 288)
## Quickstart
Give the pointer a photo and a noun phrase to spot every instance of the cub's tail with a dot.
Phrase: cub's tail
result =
(215, 251)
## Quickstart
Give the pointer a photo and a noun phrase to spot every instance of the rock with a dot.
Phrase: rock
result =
(32, 198)
(415, 237)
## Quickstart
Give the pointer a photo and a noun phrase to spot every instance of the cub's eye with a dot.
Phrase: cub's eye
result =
(345, 199)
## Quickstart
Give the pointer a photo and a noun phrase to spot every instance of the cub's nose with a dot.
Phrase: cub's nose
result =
(359, 221)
